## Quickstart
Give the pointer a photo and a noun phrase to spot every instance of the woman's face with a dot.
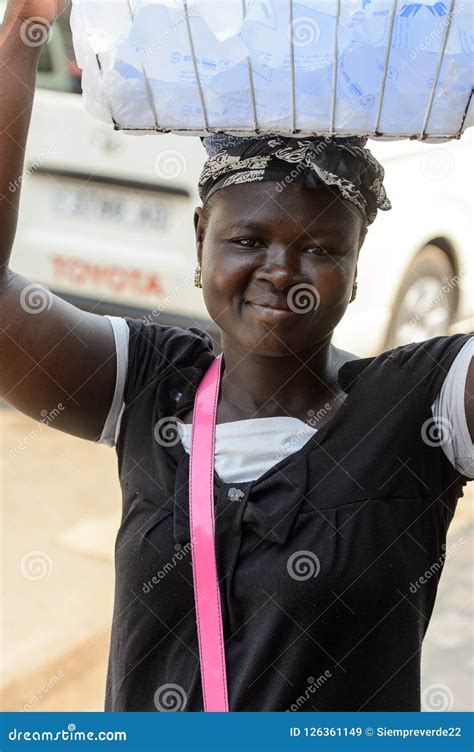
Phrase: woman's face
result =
(277, 266)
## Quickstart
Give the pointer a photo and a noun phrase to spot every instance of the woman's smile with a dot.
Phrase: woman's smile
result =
(270, 308)
(272, 315)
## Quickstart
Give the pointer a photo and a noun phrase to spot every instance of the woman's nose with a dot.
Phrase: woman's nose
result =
(280, 267)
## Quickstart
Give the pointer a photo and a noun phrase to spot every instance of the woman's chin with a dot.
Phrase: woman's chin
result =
(275, 342)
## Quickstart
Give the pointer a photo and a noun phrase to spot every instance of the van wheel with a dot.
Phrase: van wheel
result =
(426, 303)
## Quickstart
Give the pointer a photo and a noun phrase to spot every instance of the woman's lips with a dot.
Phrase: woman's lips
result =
(271, 313)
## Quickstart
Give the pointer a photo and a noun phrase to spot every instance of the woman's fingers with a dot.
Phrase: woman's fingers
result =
(41, 11)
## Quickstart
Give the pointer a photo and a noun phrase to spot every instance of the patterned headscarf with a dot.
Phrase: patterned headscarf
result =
(341, 163)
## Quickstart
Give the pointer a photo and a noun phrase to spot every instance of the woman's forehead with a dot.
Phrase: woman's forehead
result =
(267, 204)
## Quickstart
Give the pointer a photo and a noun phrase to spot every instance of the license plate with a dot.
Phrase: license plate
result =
(113, 206)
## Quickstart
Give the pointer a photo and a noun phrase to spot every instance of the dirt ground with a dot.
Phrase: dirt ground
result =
(60, 513)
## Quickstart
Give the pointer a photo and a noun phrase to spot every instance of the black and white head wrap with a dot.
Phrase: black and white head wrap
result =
(342, 164)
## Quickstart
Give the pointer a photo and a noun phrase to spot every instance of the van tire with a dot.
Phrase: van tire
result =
(427, 299)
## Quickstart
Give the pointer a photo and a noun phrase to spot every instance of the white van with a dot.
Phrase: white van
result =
(106, 221)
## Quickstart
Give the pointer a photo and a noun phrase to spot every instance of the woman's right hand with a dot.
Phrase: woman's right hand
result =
(39, 11)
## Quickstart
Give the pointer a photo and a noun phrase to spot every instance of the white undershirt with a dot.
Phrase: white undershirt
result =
(245, 449)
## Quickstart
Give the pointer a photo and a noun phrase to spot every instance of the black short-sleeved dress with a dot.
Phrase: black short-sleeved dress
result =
(319, 559)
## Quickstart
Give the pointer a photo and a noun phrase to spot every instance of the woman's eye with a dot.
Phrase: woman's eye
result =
(318, 250)
(246, 240)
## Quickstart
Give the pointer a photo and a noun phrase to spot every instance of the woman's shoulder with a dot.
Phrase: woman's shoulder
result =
(343, 356)
(153, 331)
(157, 350)
(426, 361)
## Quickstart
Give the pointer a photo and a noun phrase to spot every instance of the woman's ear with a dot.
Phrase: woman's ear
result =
(354, 287)
(363, 235)
(199, 231)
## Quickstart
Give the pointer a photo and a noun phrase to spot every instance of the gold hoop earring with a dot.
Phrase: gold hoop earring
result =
(197, 276)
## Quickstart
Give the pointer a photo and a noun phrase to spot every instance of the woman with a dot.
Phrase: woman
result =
(333, 493)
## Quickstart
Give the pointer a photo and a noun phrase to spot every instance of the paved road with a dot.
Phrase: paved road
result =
(61, 509)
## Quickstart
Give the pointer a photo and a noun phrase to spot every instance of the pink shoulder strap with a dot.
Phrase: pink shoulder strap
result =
(201, 517)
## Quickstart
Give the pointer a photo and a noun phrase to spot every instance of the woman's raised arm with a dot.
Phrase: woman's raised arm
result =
(54, 358)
